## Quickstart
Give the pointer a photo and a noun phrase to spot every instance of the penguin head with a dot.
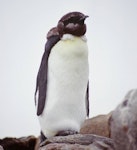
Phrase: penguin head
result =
(72, 23)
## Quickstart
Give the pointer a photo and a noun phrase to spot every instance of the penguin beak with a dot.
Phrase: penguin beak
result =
(83, 18)
(86, 16)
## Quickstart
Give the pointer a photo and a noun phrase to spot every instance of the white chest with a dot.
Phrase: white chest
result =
(67, 83)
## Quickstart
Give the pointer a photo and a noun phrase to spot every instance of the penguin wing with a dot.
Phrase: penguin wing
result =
(41, 83)
(87, 99)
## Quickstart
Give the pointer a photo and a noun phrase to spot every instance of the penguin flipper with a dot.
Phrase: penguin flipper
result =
(87, 100)
(41, 83)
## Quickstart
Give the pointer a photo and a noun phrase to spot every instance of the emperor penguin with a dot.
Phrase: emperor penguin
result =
(62, 86)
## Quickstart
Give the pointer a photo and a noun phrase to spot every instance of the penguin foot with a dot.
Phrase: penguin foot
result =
(66, 132)
(42, 137)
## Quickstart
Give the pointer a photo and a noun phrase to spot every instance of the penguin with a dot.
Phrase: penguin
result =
(62, 85)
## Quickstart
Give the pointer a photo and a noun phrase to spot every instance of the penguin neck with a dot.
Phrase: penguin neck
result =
(72, 37)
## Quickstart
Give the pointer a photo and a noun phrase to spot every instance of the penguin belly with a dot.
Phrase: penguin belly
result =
(65, 107)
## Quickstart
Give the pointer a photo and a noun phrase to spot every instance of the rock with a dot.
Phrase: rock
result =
(78, 142)
(98, 125)
(123, 123)
(24, 143)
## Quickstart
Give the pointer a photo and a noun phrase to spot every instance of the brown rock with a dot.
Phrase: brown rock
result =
(24, 143)
(78, 142)
(98, 125)
(63, 146)
(123, 123)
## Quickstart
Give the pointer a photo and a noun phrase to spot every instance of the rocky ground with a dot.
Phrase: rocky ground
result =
(114, 131)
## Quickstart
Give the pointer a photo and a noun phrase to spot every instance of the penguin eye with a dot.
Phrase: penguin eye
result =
(72, 20)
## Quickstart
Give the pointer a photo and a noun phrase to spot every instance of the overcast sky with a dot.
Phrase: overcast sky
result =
(112, 41)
